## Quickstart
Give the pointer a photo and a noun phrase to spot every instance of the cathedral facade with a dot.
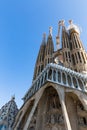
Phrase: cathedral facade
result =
(57, 98)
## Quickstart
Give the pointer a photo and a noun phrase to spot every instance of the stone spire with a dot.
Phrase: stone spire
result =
(44, 38)
(49, 49)
(40, 59)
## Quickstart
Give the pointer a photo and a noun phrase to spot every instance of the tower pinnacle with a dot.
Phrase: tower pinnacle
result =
(50, 30)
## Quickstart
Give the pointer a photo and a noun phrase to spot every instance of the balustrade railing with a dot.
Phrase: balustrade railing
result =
(59, 75)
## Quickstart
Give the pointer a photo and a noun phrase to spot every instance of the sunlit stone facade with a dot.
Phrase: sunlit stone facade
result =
(57, 98)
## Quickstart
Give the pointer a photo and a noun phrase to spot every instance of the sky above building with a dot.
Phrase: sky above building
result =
(22, 24)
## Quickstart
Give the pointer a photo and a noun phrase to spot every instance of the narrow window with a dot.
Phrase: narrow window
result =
(76, 57)
(59, 76)
(73, 59)
(79, 57)
(69, 80)
(64, 78)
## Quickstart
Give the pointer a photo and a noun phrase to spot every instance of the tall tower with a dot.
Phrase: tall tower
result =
(67, 61)
(79, 57)
(57, 99)
(48, 58)
(40, 58)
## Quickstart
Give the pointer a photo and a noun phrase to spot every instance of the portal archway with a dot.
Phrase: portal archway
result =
(49, 111)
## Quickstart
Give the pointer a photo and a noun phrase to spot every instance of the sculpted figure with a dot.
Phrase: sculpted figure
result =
(52, 119)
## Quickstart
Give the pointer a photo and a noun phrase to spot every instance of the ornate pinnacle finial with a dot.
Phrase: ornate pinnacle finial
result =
(50, 30)
(70, 22)
(61, 23)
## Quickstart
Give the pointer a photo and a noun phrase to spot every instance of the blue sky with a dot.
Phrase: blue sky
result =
(22, 23)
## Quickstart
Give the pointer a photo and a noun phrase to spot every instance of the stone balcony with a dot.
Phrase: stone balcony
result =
(59, 75)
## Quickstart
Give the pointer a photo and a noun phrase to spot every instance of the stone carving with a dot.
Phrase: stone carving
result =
(54, 104)
(54, 118)
(61, 120)
(80, 106)
(82, 121)
(54, 114)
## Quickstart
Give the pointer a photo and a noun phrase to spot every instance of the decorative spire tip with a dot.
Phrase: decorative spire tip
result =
(50, 30)
(61, 22)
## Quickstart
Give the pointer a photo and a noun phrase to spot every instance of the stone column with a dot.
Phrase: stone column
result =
(20, 118)
(61, 95)
(52, 74)
(30, 115)
(66, 80)
(61, 77)
(43, 77)
(78, 84)
(41, 115)
(38, 96)
(82, 97)
(56, 75)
